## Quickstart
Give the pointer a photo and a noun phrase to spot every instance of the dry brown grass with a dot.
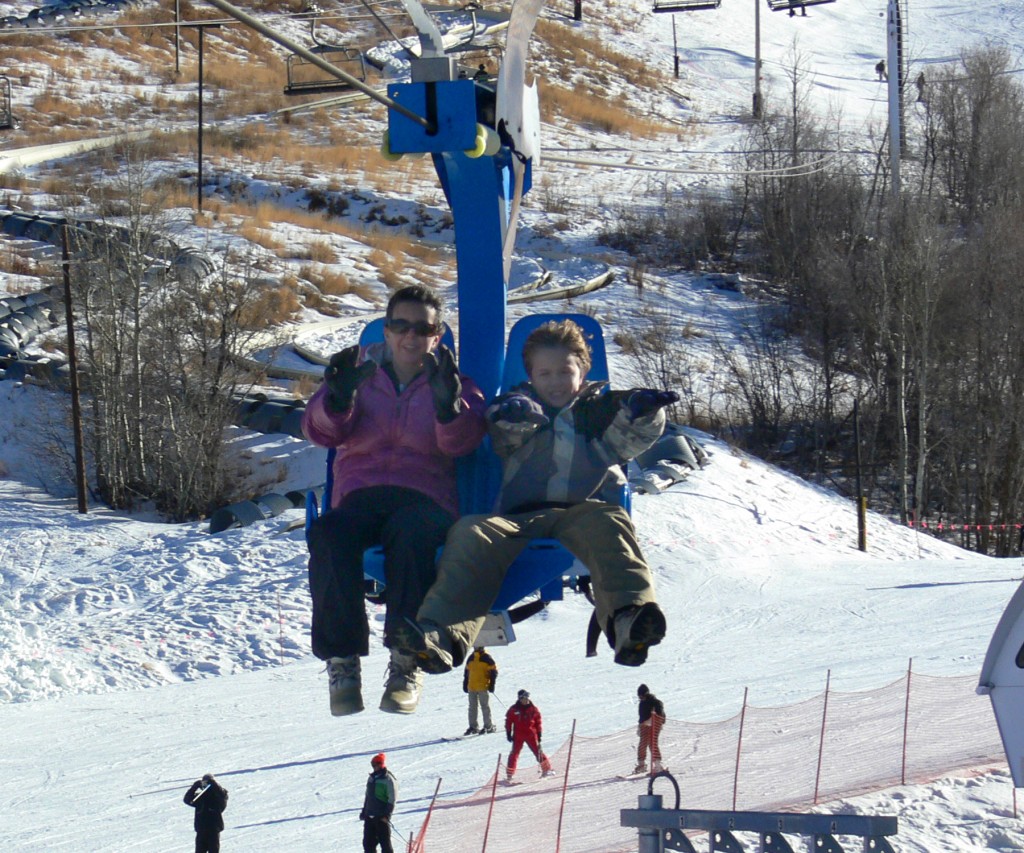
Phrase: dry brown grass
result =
(322, 252)
(334, 282)
(588, 110)
(260, 236)
(569, 49)
(273, 306)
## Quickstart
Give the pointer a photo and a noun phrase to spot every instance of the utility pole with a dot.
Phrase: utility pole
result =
(757, 111)
(177, 38)
(895, 95)
(675, 48)
(199, 171)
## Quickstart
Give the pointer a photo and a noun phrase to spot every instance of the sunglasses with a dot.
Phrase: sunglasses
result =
(421, 327)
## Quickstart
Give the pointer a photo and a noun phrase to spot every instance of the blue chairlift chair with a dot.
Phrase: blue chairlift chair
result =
(541, 566)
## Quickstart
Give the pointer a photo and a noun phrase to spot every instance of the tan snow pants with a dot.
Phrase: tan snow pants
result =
(480, 548)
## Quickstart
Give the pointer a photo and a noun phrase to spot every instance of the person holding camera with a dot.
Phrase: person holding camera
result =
(209, 800)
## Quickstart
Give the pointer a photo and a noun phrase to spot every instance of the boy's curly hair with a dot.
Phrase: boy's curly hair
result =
(562, 333)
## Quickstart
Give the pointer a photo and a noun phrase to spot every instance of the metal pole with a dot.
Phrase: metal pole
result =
(894, 95)
(757, 60)
(821, 738)
(862, 522)
(675, 48)
(199, 178)
(177, 37)
(906, 723)
(739, 749)
(76, 404)
(318, 61)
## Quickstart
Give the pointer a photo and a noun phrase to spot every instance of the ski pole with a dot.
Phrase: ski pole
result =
(405, 840)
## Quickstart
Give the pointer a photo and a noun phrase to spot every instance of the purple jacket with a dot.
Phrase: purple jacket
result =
(393, 439)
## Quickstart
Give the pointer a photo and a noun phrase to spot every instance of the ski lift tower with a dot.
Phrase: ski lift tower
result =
(682, 6)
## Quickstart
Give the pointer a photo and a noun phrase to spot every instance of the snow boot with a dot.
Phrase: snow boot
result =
(489, 730)
(345, 685)
(640, 768)
(634, 630)
(428, 643)
(472, 730)
(403, 685)
(656, 768)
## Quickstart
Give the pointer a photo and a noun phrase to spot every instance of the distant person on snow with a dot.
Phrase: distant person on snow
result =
(378, 806)
(652, 718)
(478, 680)
(562, 442)
(880, 70)
(398, 412)
(523, 724)
(209, 800)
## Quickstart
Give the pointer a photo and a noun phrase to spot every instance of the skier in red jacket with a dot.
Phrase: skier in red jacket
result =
(523, 725)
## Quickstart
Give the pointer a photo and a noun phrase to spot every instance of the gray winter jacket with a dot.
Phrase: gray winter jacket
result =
(574, 457)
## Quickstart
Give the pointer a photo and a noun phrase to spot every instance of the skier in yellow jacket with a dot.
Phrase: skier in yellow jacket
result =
(478, 681)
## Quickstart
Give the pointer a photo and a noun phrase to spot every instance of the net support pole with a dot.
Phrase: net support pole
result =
(821, 739)
(739, 748)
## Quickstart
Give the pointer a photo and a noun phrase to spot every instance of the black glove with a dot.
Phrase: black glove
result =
(342, 378)
(445, 385)
(362, 815)
(538, 741)
(509, 736)
(647, 401)
(518, 409)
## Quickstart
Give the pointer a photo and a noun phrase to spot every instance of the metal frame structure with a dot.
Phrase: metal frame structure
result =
(664, 829)
(793, 5)
(302, 80)
(685, 5)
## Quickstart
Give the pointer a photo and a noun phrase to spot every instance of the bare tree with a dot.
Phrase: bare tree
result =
(161, 335)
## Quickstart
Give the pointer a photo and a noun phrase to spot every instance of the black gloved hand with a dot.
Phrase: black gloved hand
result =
(647, 401)
(362, 815)
(518, 409)
(445, 385)
(342, 378)
(509, 736)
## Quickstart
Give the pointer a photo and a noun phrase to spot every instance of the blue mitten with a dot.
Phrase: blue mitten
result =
(518, 409)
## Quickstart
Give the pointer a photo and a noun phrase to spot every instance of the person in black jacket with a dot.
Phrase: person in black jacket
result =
(209, 800)
(652, 718)
(378, 806)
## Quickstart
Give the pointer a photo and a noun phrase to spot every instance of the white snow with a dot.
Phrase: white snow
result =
(135, 656)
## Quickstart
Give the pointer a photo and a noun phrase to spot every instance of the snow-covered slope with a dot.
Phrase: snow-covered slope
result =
(758, 573)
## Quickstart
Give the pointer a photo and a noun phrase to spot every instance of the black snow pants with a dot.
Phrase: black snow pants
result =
(409, 525)
(207, 841)
(377, 830)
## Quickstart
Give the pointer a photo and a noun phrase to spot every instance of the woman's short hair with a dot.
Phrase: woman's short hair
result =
(417, 293)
